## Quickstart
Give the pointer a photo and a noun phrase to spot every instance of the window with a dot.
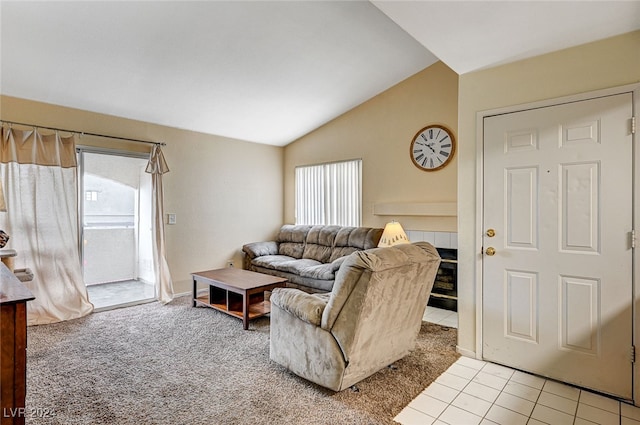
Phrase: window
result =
(91, 195)
(329, 193)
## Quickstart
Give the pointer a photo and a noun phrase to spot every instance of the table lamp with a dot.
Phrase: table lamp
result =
(393, 234)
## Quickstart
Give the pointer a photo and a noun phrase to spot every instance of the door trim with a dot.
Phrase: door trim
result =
(634, 89)
(80, 151)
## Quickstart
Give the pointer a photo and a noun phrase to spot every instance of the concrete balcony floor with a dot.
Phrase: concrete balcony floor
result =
(106, 296)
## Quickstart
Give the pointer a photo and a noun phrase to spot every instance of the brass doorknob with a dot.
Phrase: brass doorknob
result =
(491, 233)
(491, 251)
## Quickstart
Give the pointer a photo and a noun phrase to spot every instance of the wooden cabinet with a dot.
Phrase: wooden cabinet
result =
(13, 347)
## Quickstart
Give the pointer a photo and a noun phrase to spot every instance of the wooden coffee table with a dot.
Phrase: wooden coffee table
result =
(237, 292)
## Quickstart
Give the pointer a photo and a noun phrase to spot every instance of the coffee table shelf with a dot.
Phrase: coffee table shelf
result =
(237, 292)
(255, 310)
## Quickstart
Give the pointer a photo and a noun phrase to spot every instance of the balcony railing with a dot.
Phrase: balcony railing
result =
(109, 253)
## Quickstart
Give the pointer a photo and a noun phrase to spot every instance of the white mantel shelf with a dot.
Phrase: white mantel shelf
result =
(433, 209)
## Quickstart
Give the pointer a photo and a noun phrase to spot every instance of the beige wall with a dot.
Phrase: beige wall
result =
(224, 192)
(603, 64)
(380, 131)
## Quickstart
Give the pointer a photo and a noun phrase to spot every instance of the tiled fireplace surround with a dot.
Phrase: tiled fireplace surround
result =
(442, 291)
(437, 239)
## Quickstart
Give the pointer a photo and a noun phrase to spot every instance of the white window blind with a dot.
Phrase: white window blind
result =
(329, 193)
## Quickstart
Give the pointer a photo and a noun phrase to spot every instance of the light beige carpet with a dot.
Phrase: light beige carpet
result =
(174, 364)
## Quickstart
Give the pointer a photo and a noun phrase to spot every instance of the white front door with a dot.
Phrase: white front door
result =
(557, 292)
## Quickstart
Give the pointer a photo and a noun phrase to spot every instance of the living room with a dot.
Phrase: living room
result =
(227, 192)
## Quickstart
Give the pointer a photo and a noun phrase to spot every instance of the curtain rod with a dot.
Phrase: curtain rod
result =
(85, 133)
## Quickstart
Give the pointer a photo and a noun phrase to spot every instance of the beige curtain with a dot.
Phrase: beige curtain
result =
(40, 178)
(157, 166)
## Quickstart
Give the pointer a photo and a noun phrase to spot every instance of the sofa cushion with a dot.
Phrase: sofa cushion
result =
(306, 267)
(272, 262)
(342, 251)
(293, 250)
(291, 240)
(297, 266)
(351, 239)
(319, 271)
(319, 243)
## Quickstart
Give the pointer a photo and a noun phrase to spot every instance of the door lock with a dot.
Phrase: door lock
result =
(491, 233)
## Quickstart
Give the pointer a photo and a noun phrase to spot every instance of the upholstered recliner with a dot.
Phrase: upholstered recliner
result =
(369, 320)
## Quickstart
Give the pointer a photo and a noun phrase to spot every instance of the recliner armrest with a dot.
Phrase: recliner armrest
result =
(258, 249)
(304, 306)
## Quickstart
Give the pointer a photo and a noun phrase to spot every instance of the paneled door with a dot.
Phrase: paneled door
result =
(557, 257)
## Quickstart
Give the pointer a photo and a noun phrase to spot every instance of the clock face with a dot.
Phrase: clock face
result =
(432, 148)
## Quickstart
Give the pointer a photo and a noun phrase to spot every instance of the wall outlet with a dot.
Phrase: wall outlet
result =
(171, 218)
(230, 263)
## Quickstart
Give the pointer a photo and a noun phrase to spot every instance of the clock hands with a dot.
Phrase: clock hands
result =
(428, 145)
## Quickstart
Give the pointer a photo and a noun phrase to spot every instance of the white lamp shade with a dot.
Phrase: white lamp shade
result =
(393, 235)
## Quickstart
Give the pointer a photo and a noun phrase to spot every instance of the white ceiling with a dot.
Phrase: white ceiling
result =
(269, 72)
(473, 35)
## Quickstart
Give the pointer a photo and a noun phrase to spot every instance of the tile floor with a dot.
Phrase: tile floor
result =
(473, 392)
(441, 317)
(105, 296)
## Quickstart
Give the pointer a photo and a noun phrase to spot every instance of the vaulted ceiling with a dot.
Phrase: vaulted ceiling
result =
(269, 72)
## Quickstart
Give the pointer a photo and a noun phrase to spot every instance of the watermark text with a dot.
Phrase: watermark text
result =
(28, 412)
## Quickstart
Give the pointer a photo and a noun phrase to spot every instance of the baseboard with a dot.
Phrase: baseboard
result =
(465, 352)
(190, 294)
(123, 305)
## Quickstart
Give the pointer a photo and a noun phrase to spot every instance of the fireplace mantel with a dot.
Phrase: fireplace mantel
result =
(432, 209)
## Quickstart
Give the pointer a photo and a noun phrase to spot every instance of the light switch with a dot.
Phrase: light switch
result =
(171, 218)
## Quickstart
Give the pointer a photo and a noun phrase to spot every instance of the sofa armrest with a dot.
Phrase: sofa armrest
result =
(304, 306)
(258, 249)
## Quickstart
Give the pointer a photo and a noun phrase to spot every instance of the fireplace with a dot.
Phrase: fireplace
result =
(445, 288)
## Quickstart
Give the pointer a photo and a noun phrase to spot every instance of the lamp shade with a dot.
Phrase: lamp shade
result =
(393, 234)
(3, 205)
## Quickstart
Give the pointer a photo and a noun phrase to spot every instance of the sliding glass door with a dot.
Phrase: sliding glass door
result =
(116, 238)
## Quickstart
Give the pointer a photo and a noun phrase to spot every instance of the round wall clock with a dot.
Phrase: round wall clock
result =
(432, 147)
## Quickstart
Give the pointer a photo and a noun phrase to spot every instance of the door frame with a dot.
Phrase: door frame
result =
(80, 150)
(479, 225)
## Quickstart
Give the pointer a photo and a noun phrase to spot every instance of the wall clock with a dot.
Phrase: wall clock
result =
(432, 148)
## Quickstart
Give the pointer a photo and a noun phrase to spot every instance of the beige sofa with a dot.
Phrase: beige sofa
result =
(369, 320)
(308, 256)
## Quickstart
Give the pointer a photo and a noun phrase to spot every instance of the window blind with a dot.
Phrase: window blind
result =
(329, 193)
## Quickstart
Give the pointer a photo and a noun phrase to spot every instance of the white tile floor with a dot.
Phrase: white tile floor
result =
(441, 317)
(473, 392)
